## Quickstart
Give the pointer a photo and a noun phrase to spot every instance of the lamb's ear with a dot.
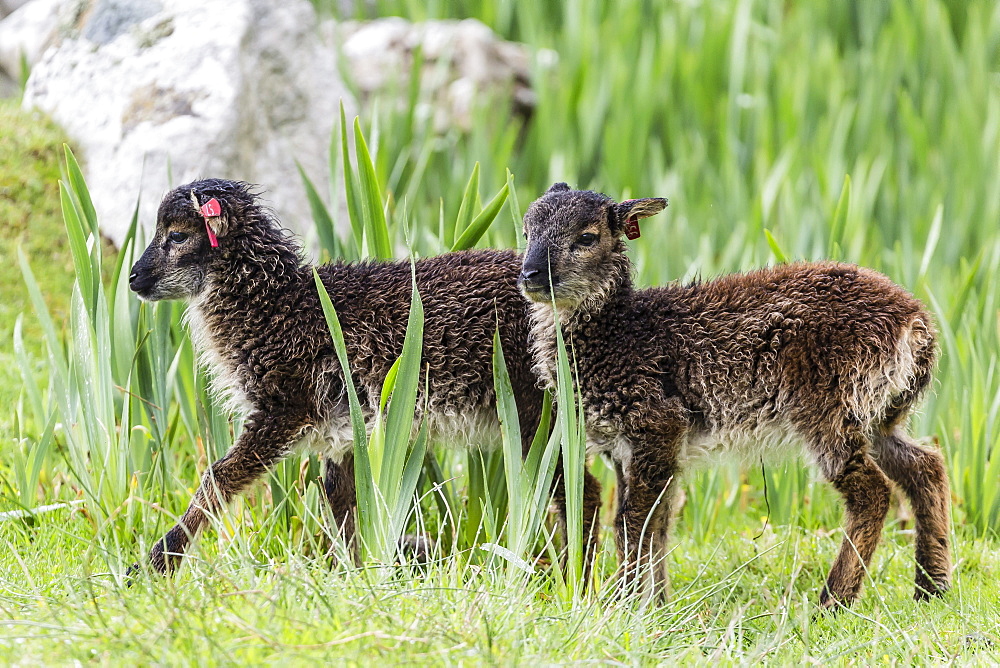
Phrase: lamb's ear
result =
(631, 211)
(558, 188)
(216, 218)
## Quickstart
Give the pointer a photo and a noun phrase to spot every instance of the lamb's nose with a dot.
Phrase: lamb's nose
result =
(138, 283)
(528, 274)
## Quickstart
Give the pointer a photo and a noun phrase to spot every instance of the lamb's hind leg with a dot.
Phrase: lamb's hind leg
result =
(530, 416)
(921, 474)
(866, 490)
(341, 495)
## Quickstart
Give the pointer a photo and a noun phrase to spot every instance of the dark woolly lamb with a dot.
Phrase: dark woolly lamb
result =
(828, 355)
(255, 318)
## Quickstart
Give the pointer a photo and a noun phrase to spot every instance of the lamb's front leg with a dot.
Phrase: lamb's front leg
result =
(266, 439)
(648, 480)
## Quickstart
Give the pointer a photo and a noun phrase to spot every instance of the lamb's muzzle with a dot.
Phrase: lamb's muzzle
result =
(830, 356)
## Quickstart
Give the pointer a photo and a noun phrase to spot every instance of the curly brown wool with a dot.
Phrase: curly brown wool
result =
(826, 355)
(255, 317)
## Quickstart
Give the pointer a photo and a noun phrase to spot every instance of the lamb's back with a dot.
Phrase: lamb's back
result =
(465, 297)
(793, 339)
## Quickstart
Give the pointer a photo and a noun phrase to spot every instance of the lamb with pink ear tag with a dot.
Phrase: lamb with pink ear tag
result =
(257, 323)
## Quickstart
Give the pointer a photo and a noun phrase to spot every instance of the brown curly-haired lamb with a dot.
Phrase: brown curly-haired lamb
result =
(255, 318)
(827, 355)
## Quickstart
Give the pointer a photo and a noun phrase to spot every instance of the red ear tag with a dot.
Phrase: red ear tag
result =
(211, 209)
(212, 239)
(632, 228)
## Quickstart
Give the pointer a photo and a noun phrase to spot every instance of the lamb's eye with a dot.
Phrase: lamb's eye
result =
(587, 239)
(177, 237)
(525, 235)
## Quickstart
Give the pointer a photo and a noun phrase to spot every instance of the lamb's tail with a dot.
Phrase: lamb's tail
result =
(909, 370)
(897, 372)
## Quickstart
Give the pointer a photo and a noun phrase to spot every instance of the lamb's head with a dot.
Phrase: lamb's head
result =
(574, 238)
(193, 221)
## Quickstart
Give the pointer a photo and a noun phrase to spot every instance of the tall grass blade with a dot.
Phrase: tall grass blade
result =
(465, 208)
(376, 227)
(351, 187)
(78, 242)
(510, 429)
(481, 223)
(569, 418)
(779, 254)
(322, 221)
(839, 224)
(367, 501)
(402, 404)
(80, 191)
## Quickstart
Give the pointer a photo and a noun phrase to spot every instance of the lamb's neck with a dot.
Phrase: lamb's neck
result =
(244, 286)
(573, 317)
(615, 282)
(254, 267)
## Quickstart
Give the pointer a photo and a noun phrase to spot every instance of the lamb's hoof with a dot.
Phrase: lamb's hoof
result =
(977, 641)
(416, 549)
(926, 590)
(132, 574)
(338, 556)
(830, 604)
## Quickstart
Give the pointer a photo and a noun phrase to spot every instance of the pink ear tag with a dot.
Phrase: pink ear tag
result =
(632, 228)
(212, 209)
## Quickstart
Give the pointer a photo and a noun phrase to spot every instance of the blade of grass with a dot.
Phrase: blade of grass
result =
(367, 503)
(354, 208)
(481, 223)
(376, 227)
(322, 221)
(465, 208)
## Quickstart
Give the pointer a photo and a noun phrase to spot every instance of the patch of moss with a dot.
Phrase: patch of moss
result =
(30, 218)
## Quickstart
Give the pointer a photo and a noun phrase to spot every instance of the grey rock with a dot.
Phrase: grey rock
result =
(158, 94)
(154, 93)
(8, 86)
(465, 66)
(9, 6)
(27, 32)
(111, 18)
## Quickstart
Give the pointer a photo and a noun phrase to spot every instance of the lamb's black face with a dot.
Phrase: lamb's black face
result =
(174, 265)
(572, 235)
(569, 237)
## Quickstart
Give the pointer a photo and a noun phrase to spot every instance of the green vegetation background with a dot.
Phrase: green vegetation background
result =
(748, 115)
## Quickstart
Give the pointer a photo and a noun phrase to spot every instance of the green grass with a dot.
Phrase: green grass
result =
(30, 151)
(735, 600)
(867, 132)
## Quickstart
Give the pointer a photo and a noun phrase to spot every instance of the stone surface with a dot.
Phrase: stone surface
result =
(156, 93)
(27, 32)
(464, 65)
(8, 6)
(8, 86)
